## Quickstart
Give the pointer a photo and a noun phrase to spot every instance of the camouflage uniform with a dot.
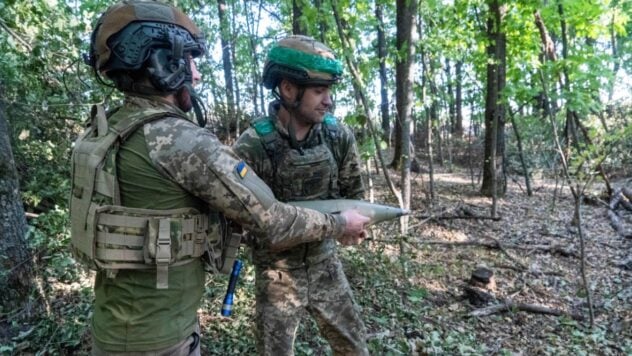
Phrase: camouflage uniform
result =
(308, 277)
(168, 163)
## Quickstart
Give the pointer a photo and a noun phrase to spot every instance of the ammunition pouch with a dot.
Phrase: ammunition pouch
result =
(129, 238)
(109, 237)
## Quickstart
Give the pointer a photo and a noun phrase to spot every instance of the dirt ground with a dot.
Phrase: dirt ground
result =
(535, 255)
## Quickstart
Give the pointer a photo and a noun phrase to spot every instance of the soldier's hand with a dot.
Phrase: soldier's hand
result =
(354, 227)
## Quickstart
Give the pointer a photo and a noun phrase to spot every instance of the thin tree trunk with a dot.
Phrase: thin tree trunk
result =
(615, 67)
(358, 86)
(227, 63)
(494, 182)
(297, 24)
(234, 61)
(430, 159)
(580, 231)
(405, 68)
(458, 129)
(525, 169)
(381, 55)
(254, 73)
(369, 178)
(571, 128)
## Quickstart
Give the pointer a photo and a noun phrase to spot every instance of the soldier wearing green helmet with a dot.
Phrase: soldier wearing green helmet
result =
(151, 190)
(303, 153)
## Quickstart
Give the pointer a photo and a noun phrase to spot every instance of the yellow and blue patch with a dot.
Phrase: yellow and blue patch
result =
(241, 168)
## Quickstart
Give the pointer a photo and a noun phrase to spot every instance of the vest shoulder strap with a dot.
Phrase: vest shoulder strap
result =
(264, 127)
(269, 136)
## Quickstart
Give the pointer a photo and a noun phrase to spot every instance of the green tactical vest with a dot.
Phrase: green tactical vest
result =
(307, 173)
(109, 237)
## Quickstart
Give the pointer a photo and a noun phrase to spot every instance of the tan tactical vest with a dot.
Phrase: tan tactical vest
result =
(107, 236)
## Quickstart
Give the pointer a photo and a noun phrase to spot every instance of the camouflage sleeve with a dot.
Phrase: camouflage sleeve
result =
(249, 147)
(349, 169)
(195, 159)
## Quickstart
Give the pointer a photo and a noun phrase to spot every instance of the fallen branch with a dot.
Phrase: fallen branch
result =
(508, 305)
(454, 217)
(622, 197)
(494, 244)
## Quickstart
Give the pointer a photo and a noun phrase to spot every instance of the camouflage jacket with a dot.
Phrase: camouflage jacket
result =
(302, 185)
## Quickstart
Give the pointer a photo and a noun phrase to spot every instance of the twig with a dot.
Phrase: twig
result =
(454, 217)
(508, 305)
(502, 249)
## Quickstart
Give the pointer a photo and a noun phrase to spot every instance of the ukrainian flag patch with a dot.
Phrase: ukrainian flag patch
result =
(241, 168)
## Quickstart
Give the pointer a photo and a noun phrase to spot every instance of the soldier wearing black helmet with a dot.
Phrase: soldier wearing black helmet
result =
(151, 189)
(303, 153)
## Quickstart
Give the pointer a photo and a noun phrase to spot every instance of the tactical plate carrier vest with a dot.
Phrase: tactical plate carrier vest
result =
(107, 236)
(306, 173)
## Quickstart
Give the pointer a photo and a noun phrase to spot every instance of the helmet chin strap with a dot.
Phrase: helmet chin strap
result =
(198, 106)
(292, 109)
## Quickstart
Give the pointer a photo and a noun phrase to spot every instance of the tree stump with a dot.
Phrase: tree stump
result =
(483, 277)
(481, 286)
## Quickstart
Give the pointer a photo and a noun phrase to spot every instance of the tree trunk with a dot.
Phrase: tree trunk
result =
(525, 168)
(494, 181)
(322, 21)
(381, 55)
(458, 127)
(405, 69)
(255, 76)
(451, 101)
(227, 64)
(297, 24)
(430, 158)
(16, 269)
(236, 82)
(358, 86)
(570, 131)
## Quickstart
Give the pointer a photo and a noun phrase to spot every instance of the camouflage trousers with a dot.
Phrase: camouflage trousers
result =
(321, 289)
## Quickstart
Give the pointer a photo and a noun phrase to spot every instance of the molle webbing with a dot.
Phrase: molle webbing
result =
(111, 237)
(265, 128)
(129, 238)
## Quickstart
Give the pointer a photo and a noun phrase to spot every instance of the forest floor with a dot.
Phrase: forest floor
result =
(534, 253)
(414, 303)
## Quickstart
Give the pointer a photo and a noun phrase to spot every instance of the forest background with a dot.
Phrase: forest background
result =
(503, 125)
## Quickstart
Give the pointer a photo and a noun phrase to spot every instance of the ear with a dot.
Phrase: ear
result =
(287, 90)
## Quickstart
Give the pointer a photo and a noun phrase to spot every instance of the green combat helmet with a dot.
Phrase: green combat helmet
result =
(303, 61)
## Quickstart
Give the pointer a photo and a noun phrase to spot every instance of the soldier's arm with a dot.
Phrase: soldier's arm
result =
(195, 159)
(249, 148)
(350, 179)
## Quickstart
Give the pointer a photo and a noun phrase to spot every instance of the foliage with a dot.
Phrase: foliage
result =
(47, 92)
(57, 316)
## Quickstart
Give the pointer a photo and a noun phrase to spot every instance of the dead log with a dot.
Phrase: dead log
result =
(509, 305)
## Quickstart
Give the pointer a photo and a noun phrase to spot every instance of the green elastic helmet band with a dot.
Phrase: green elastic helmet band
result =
(294, 58)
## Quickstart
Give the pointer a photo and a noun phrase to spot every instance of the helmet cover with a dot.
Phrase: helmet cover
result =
(301, 60)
